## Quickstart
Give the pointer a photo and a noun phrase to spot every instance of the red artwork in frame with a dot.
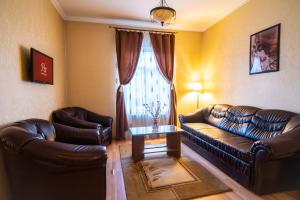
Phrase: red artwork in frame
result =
(41, 67)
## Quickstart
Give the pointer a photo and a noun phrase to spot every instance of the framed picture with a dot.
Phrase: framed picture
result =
(264, 50)
(41, 67)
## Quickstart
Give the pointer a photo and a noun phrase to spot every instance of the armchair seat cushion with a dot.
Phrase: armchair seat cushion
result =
(84, 119)
(106, 134)
(235, 145)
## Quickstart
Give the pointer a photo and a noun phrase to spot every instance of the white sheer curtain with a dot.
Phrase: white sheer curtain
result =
(147, 86)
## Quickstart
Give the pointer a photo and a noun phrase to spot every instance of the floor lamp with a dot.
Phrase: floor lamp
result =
(197, 87)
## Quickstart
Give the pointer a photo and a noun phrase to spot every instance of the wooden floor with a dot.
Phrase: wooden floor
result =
(116, 190)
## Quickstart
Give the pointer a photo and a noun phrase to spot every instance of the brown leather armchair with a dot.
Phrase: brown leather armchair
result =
(52, 161)
(81, 118)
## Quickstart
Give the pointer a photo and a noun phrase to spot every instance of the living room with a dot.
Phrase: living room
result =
(87, 85)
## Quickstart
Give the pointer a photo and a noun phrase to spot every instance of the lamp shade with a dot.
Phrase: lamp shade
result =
(196, 86)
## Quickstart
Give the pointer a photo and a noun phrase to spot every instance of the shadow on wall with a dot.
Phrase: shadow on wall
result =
(189, 93)
(24, 60)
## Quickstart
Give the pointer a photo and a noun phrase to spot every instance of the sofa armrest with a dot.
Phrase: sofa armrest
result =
(195, 117)
(63, 118)
(282, 146)
(75, 156)
(102, 119)
(72, 135)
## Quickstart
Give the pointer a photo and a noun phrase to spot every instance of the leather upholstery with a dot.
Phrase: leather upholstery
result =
(284, 145)
(38, 166)
(38, 128)
(237, 166)
(221, 139)
(217, 114)
(267, 124)
(80, 118)
(200, 115)
(292, 124)
(244, 141)
(68, 134)
(237, 118)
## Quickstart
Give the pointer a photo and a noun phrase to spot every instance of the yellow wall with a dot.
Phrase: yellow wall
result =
(92, 67)
(25, 24)
(188, 62)
(92, 63)
(226, 57)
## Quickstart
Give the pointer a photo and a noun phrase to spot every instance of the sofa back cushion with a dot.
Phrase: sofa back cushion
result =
(217, 114)
(237, 119)
(252, 122)
(268, 123)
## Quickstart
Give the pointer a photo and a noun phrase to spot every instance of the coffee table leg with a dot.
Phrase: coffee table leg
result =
(138, 145)
(174, 143)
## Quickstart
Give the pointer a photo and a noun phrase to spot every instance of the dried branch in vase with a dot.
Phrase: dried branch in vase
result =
(155, 110)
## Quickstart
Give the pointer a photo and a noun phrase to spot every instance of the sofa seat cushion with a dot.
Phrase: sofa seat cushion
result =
(196, 126)
(207, 149)
(236, 145)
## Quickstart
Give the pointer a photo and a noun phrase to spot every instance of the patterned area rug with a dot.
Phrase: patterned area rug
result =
(165, 178)
(163, 172)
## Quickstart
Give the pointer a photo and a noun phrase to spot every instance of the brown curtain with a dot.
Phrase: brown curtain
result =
(163, 46)
(128, 45)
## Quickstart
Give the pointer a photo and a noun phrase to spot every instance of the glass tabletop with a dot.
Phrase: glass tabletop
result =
(149, 130)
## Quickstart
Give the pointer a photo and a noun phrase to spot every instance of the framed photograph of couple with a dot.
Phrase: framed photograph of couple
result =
(264, 50)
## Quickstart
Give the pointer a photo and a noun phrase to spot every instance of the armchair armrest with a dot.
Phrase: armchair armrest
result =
(65, 154)
(63, 118)
(68, 134)
(102, 119)
(283, 146)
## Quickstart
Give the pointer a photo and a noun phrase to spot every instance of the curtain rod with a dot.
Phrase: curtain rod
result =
(143, 30)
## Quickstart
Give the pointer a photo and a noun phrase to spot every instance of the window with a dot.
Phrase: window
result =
(147, 86)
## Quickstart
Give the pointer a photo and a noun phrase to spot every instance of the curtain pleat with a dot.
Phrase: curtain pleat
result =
(164, 46)
(128, 46)
(148, 86)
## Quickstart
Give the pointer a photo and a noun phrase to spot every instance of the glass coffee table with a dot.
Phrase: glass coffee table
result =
(172, 146)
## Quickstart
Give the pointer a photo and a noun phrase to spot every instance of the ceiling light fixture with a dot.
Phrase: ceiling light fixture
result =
(163, 14)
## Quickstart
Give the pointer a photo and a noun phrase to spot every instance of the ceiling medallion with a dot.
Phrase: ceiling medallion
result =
(163, 14)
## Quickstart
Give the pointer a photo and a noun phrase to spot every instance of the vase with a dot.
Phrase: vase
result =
(155, 123)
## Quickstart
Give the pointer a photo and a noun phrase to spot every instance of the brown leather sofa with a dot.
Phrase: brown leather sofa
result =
(258, 148)
(81, 118)
(52, 161)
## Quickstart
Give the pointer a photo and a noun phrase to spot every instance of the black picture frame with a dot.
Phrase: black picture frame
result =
(268, 47)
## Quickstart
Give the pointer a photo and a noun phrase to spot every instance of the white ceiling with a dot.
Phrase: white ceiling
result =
(192, 15)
